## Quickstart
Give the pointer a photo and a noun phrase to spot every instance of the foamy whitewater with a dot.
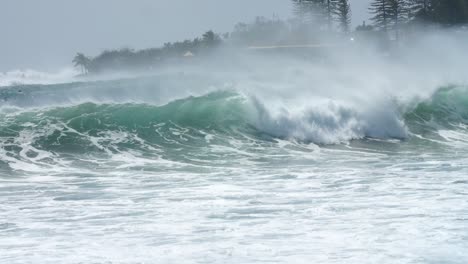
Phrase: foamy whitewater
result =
(285, 162)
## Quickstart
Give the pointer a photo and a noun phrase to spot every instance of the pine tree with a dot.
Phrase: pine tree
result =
(398, 14)
(304, 10)
(343, 14)
(381, 14)
(389, 14)
(445, 12)
(450, 12)
(421, 9)
(319, 11)
(329, 8)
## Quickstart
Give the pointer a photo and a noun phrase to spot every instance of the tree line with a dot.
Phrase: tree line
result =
(310, 16)
(385, 14)
(262, 31)
(324, 12)
(125, 58)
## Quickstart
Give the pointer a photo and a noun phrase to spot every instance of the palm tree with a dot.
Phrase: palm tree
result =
(82, 62)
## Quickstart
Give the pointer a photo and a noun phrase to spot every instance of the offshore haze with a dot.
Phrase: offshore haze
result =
(44, 35)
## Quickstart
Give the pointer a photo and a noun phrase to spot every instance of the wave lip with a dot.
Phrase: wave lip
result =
(51, 138)
(330, 123)
(92, 127)
(334, 122)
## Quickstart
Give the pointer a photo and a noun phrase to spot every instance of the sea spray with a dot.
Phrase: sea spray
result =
(47, 135)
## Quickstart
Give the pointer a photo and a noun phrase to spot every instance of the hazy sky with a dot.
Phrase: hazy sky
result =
(45, 34)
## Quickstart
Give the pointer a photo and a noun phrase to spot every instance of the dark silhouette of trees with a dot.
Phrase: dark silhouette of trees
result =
(318, 12)
(306, 10)
(450, 12)
(380, 11)
(421, 10)
(128, 59)
(82, 62)
(441, 12)
(211, 39)
(388, 16)
(262, 31)
(329, 7)
(343, 14)
(398, 14)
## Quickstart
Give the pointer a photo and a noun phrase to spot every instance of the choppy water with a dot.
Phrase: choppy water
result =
(138, 171)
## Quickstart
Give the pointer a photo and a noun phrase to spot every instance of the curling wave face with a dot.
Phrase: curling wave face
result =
(35, 132)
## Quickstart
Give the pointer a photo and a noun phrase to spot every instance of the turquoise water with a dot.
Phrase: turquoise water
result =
(147, 171)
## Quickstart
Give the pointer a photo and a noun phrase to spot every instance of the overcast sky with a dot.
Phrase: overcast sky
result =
(45, 34)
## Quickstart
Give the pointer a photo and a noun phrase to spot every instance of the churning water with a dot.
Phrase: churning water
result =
(146, 170)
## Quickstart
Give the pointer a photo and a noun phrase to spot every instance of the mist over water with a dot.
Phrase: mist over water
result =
(345, 153)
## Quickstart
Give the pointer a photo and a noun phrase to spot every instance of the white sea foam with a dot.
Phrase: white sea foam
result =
(330, 122)
(18, 77)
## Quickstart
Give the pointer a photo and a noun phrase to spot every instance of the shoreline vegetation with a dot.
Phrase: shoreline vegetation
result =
(316, 24)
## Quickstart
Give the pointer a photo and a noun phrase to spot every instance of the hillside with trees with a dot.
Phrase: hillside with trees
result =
(313, 21)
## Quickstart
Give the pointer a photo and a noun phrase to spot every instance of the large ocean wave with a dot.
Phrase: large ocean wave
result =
(79, 126)
(176, 116)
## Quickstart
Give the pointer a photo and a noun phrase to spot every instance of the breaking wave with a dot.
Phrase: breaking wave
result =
(22, 77)
(84, 127)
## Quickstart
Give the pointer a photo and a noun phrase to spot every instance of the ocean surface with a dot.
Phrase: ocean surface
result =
(185, 168)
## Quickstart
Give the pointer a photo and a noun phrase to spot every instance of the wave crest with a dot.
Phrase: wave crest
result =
(228, 113)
